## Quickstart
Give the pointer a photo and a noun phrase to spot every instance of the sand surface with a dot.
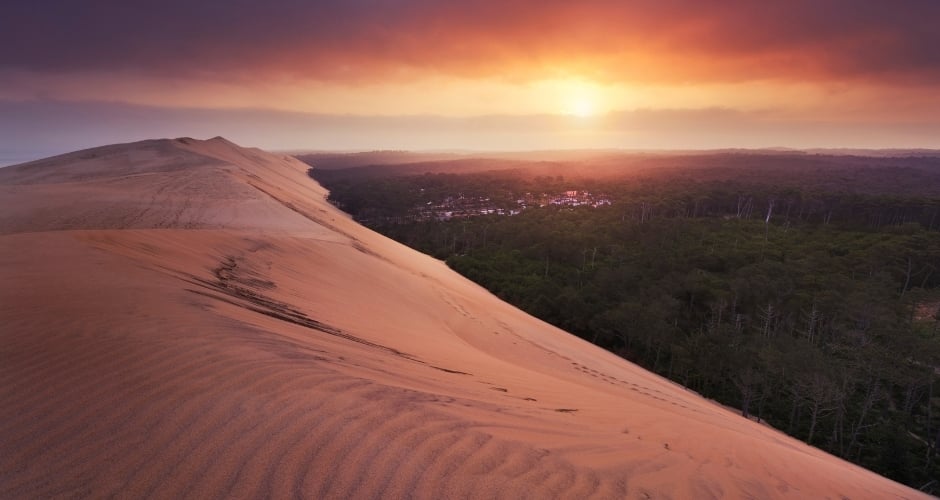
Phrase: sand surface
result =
(191, 319)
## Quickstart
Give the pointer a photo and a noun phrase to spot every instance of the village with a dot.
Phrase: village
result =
(464, 207)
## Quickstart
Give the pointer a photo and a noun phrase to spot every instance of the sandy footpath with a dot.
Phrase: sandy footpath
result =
(191, 319)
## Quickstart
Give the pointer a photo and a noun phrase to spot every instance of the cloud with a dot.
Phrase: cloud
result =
(365, 40)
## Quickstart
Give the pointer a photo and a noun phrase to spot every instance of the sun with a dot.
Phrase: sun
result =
(582, 107)
(572, 97)
(581, 98)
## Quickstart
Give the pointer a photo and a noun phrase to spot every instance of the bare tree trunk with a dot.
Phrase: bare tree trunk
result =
(870, 397)
(760, 402)
(811, 323)
(721, 307)
(912, 395)
(930, 447)
(907, 280)
(767, 315)
(812, 421)
(794, 415)
(744, 381)
(746, 403)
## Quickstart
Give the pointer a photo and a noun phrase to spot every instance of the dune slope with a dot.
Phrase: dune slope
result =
(191, 319)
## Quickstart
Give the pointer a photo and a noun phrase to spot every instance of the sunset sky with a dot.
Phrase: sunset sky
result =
(475, 75)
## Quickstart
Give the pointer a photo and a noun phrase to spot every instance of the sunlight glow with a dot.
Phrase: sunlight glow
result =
(578, 98)
(582, 107)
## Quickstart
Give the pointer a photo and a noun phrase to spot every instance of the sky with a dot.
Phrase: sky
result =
(470, 75)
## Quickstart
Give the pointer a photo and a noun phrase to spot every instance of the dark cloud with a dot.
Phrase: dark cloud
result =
(363, 40)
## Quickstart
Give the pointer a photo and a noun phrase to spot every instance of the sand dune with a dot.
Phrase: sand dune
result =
(191, 319)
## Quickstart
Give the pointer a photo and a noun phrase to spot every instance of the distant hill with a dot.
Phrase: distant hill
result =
(874, 174)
